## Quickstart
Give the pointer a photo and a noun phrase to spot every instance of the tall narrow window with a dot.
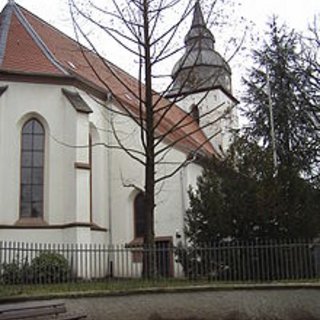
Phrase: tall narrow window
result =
(139, 216)
(32, 165)
(195, 113)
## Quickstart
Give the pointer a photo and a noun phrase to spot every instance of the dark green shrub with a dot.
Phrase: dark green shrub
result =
(15, 272)
(50, 267)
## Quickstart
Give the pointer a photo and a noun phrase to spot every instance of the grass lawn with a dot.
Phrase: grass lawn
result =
(91, 286)
(122, 285)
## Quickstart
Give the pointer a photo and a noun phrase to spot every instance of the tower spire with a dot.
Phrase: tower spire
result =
(199, 36)
(201, 67)
(198, 19)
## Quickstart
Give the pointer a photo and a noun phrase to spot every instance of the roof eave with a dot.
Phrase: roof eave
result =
(189, 92)
(56, 79)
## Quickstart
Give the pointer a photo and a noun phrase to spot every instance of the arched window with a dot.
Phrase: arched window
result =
(195, 113)
(32, 165)
(139, 216)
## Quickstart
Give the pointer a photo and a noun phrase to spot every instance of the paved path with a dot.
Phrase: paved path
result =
(293, 304)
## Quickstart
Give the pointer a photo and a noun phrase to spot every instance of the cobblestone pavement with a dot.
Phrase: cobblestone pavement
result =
(293, 304)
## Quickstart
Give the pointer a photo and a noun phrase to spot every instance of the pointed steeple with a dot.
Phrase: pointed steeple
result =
(198, 19)
(199, 35)
(201, 67)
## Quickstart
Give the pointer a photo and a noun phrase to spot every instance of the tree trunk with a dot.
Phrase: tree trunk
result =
(148, 257)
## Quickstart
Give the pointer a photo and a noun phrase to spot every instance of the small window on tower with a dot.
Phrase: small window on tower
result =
(195, 113)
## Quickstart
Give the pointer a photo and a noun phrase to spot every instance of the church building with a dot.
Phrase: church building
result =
(64, 177)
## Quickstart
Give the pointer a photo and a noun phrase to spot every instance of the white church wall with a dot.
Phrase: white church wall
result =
(99, 170)
(170, 208)
(128, 179)
(99, 191)
(52, 236)
(24, 101)
(82, 174)
(61, 183)
(9, 201)
(206, 102)
(82, 210)
(2, 139)
(192, 173)
(21, 102)
(116, 177)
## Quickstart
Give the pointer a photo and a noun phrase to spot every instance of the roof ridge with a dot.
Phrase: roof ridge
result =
(6, 20)
(39, 42)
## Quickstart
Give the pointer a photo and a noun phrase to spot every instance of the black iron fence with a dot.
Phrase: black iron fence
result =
(259, 261)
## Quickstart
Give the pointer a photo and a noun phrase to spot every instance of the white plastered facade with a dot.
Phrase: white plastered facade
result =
(217, 116)
(73, 213)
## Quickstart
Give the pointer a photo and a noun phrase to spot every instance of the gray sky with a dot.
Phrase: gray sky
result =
(295, 13)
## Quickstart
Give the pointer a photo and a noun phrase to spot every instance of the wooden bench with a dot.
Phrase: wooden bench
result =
(31, 310)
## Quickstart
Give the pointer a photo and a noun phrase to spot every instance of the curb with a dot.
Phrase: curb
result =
(157, 290)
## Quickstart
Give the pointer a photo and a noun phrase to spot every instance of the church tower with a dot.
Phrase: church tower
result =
(202, 84)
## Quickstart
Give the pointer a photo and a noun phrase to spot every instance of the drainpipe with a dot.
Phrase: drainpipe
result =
(109, 173)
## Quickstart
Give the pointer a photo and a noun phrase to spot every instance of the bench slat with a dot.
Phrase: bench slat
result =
(30, 305)
(24, 311)
(73, 317)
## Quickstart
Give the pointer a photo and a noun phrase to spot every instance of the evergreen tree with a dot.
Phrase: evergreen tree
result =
(309, 71)
(281, 91)
(282, 80)
(228, 205)
(251, 196)
(222, 207)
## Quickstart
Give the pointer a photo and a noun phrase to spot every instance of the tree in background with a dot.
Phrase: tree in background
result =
(263, 190)
(281, 101)
(310, 77)
(222, 207)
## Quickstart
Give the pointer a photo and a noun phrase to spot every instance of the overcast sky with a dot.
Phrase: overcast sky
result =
(295, 13)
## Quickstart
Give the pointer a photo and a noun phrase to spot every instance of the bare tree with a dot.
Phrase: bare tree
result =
(146, 29)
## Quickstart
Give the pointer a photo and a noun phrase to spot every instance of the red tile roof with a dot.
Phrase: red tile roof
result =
(19, 41)
(33, 46)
